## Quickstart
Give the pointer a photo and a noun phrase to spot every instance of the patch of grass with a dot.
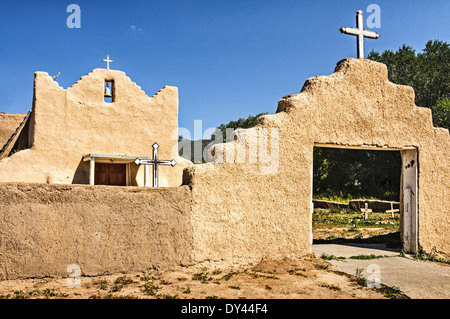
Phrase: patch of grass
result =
(296, 273)
(123, 280)
(421, 255)
(103, 284)
(331, 287)
(167, 296)
(187, 290)
(149, 288)
(324, 266)
(111, 296)
(165, 282)
(120, 282)
(35, 293)
(364, 257)
(146, 278)
(234, 287)
(212, 297)
(202, 276)
(230, 274)
(388, 292)
(256, 275)
(326, 256)
(392, 292)
(360, 280)
(268, 287)
(324, 218)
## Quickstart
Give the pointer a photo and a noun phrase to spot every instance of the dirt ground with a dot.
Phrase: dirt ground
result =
(308, 277)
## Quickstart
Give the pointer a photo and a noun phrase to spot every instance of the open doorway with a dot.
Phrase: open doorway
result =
(365, 195)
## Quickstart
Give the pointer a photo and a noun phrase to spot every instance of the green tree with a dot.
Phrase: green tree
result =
(427, 72)
(248, 122)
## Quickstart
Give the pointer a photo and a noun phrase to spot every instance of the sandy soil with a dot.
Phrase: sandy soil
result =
(308, 277)
(347, 233)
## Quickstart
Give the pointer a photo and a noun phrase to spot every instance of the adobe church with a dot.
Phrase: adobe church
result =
(232, 210)
(92, 132)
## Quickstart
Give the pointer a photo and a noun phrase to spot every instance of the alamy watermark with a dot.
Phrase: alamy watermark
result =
(374, 20)
(74, 19)
(374, 279)
(74, 279)
(257, 145)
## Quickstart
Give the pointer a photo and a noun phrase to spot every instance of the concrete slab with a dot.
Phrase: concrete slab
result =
(417, 279)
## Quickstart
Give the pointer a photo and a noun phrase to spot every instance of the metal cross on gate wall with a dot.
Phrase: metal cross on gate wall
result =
(155, 162)
(360, 33)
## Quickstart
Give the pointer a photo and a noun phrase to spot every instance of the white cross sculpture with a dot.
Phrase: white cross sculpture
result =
(155, 162)
(392, 210)
(366, 210)
(360, 33)
(107, 60)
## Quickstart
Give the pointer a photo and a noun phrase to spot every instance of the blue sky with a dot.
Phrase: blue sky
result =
(229, 59)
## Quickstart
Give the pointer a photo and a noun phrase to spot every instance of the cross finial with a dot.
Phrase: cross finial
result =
(360, 33)
(107, 60)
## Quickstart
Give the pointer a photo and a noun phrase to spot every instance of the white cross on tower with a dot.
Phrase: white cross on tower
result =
(360, 33)
(107, 60)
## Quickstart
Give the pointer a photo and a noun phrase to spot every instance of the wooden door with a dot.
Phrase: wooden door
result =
(117, 175)
(110, 174)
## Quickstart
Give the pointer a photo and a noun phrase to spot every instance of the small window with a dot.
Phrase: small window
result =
(109, 91)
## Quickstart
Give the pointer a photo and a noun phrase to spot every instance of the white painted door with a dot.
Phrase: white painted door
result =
(409, 222)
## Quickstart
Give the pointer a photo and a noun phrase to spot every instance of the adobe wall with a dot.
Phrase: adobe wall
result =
(103, 229)
(240, 212)
(67, 124)
(8, 124)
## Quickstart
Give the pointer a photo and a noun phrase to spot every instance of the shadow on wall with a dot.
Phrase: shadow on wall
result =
(81, 175)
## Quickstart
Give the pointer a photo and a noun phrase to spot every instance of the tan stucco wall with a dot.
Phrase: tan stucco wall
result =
(8, 124)
(103, 229)
(238, 212)
(67, 124)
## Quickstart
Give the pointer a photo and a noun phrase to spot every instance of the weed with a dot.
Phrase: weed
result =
(111, 296)
(392, 292)
(187, 290)
(167, 296)
(234, 287)
(324, 266)
(293, 272)
(103, 284)
(268, 287)
(230, 274)
(123, 280)
(331, 287)
(360, 280)
(255, 275)
(150, 289)
(164, 282)
(325, 256)
(372, 256)
(430, 257)
(120, 282)
(19, 294)
(202, 276)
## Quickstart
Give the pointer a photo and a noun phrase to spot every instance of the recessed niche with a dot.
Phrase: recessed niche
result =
(108, 90)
